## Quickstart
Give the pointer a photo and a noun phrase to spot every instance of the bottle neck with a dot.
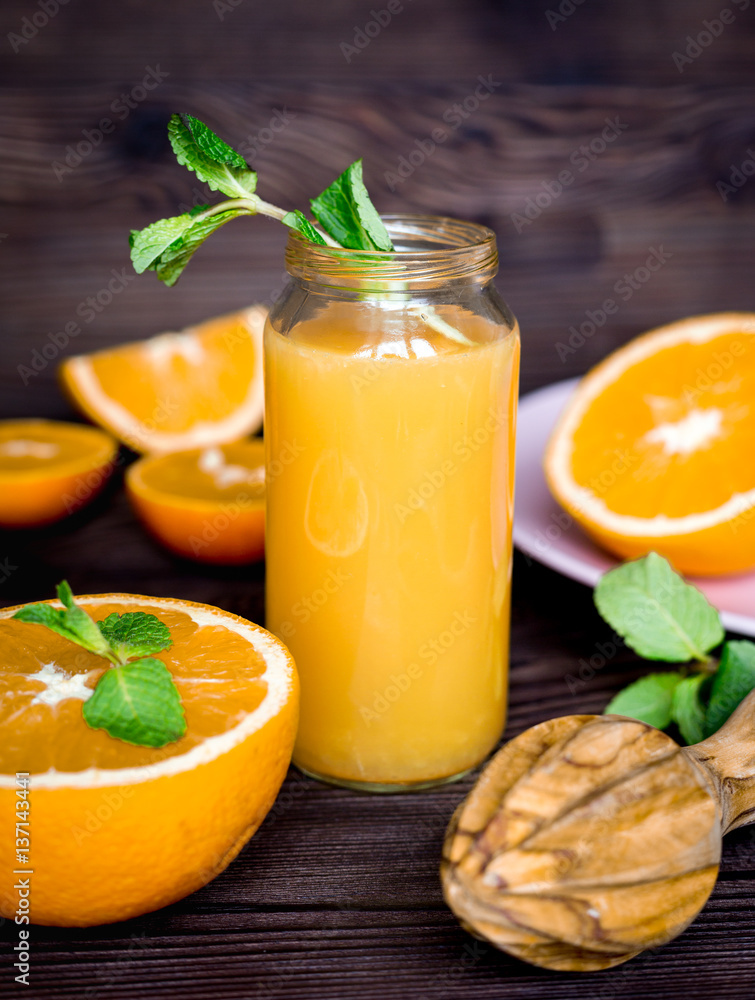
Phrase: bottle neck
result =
(432, 253)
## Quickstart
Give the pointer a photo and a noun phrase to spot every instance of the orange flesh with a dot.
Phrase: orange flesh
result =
(180, 476)
(634, 476)
(44, 446)
(178, 390)
(217, 673)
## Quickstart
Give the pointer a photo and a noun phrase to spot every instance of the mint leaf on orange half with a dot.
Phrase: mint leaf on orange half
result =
(135, 634)
(72, 622)
(137, 703)
(134, 701)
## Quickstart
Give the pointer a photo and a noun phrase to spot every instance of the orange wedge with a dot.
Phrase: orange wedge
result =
(49, 469)
(193, 389)
(654, 450)
(117, 830)
(207, 504)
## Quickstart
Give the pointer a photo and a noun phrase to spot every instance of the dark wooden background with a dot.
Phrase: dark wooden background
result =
(338, 895)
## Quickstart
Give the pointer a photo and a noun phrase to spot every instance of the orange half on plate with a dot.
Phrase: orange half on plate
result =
(655, 449)
(194, 389)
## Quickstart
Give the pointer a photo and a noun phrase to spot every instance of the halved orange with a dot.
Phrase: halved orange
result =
(654, 451)
(117, 830)
(193, 389)
(49, 468)
(206, 504)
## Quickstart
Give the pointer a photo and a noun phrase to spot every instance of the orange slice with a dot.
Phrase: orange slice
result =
(654, 450)
(117, 830)
(206, 504)
(193, 389)
(49, 469)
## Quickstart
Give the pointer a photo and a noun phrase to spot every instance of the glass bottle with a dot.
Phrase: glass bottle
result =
(391, 391)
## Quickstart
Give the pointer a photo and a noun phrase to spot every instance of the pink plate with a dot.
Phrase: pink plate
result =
(547, 533)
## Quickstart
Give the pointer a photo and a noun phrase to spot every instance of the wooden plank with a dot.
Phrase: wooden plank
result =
(350, 954)
(205, 40)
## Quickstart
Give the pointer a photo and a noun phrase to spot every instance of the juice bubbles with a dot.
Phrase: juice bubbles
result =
(390, 440)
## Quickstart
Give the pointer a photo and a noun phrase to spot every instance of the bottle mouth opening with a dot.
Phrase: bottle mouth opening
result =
(429, 250)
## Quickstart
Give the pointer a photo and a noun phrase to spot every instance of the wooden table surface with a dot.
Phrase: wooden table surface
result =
(338, 894)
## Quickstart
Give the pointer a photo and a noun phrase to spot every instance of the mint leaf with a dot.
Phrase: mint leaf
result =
(687, 710)
(216, 163)
(147, 245)
(170, 264)
(649, 699)
(659, 615)
(137, 703)
(732, 682)
(135, 633)
(297, 220)
(72, 622)
(344, 210)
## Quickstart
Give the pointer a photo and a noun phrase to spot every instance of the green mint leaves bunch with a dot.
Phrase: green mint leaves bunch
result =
(136, 701)
(344, 215)
(661, 617)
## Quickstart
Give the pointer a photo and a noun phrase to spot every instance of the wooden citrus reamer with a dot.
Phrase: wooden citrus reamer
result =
(590, 838)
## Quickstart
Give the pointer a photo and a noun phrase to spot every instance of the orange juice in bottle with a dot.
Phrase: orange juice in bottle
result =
(391, 387)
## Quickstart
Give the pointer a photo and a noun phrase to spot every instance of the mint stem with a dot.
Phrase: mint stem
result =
(706, 665)
(256, 206)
